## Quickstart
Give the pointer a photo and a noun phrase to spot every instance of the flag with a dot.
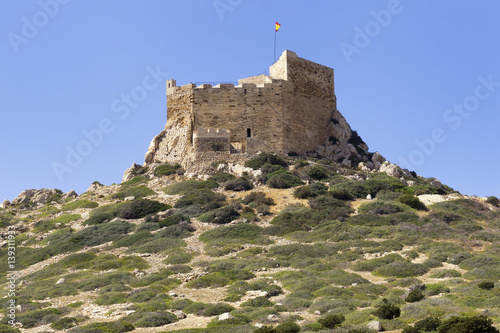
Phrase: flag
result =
(277, 26)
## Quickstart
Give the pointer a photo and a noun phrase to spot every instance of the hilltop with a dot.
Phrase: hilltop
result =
(278, 241)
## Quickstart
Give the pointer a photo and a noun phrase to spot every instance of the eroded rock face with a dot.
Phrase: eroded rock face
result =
(343, 145)
(38, 197)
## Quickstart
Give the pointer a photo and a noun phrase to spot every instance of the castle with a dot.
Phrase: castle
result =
(293, 110)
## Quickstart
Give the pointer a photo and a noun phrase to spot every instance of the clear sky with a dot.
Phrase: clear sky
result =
(83, 82)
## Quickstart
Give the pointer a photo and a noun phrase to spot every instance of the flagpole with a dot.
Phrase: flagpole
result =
(274, 59)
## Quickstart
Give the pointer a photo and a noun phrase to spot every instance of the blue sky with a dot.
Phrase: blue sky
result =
(418, 80)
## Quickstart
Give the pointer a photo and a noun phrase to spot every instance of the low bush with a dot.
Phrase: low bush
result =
(140, 208)
(222, 177)
(294, 218)
(263, 158)
(36, 317)
(111, 298)
(414, 296)
(4, 328)
(486, 285)
(221, 215)
(242, 233)
(387, 310)
(166, 169)
(81, 203)
(476, 324)
(382, 208)
(136, 192)
(428, 324)
(331, 321)
(238, 184)
(119, 326)
(318, 172)
(98, 218)
(492, 200)
(204, 198)
(173, 219)
(284, 180)
(208, 309)
(219, 279)
(257, 198)
(401, 269)
(153, 319)
(412, 201)
(257, 302)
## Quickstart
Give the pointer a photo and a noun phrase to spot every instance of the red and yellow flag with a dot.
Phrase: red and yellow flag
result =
(277, 26)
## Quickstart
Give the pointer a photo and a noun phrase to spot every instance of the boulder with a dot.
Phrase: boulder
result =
(38, 197)
(390, 169)
(71, 194)
(179, 314)
(226, 316)
(5, 204)
(94, 186)
(375, 325)
(378, 158)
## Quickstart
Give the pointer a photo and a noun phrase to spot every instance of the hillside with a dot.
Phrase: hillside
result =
(280, 241)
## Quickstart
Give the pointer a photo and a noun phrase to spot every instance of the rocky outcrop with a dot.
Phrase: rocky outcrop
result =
(40, 197)
(343, 145)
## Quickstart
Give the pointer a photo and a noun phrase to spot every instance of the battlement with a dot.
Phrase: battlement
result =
(211, 132)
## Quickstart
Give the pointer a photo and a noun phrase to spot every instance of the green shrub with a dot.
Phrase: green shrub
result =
(257, 302)
(63, 324)
(8, 328)
(401, 269)
(412, 201)
(155, 319)
(331, 321)
(242, 233)
(173, 219)
(387, 310)
(492, 200)
(166, 169)
(414, 296)
(137, 192)
(294, 218)
(428, 324)
(318, 172)
(219, 279)
(221, 215)
(445, 273)
(284, 180)
(341, 194)
(486, 285)
(288, 327)
(140, 208)
(476, 324)
(309, 191)
(105, 327)
(257, 198)
(36, 317)
(381, 208)
(263, 158)
(81, 203)
(208, 309)
(238, 184)
(98, 218)
(204, 198)
(134, 181)
(111, 298)
(222, 177)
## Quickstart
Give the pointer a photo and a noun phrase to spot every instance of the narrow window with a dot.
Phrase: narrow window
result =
(249, 133)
